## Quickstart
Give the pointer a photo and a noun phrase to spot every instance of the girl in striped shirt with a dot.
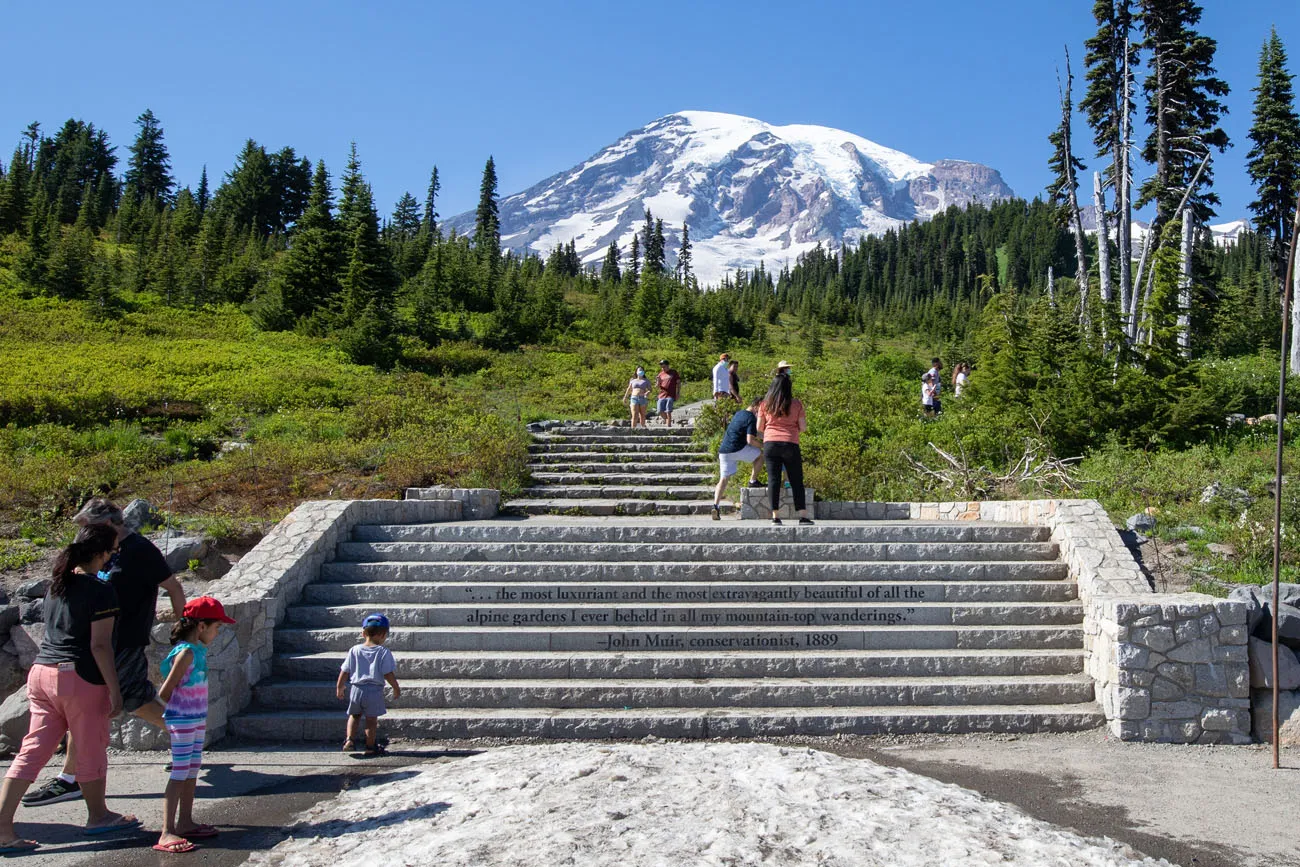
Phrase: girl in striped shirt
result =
(185, 691)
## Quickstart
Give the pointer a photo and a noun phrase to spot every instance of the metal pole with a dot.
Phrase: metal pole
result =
(1277, 471)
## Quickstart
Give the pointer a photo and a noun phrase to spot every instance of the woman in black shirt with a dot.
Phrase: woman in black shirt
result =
(72, 686)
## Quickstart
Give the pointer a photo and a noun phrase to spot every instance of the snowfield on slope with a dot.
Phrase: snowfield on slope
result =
(674, 805)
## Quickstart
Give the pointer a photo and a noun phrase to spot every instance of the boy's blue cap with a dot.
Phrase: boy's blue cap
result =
(375, 620)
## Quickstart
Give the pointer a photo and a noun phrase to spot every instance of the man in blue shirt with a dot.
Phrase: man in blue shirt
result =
(739, 444)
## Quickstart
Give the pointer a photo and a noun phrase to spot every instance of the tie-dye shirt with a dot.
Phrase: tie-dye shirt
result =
(189, 701)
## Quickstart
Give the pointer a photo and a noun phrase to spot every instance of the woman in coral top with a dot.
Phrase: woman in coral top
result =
(780, 420)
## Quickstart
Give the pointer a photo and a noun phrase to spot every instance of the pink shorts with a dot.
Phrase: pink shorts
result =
(62, 702)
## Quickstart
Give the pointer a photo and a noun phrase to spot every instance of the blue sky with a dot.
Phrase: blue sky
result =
(542, 85)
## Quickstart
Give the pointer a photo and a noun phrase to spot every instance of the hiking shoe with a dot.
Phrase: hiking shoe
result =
(715, 514)
(56, 791)
(776, 521)
(806, 522)
(756, 485)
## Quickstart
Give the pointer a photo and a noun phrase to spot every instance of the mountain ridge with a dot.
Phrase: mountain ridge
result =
(748, 191)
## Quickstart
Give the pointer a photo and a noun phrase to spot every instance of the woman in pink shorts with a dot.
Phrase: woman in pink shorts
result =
(72, 686)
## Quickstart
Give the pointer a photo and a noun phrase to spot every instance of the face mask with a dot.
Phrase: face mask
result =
(640, 372)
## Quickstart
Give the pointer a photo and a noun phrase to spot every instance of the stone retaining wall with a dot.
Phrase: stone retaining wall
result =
(262, 585)
(755, 506)
(478, 504)
(1169, 668)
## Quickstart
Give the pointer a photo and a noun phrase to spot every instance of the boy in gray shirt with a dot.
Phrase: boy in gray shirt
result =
(367, 667)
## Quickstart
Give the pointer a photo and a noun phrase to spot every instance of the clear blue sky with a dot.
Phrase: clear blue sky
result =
(544, 85)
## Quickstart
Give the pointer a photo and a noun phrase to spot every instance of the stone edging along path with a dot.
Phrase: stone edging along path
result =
(1171, 668)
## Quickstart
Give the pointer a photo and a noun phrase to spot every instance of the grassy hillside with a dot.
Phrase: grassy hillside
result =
(227, 427)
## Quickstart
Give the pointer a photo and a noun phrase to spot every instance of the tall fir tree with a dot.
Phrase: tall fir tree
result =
(430, 221)
(308, 274)
(148, 173)
(367, 279)
(609, 269)
(685, 272)
(1065, 167)
(201, 198)
(487, 221)
(1183, 108)
(1274, 158)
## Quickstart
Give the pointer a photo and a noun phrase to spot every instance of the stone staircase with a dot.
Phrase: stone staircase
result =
(617, 471)
(565, 627)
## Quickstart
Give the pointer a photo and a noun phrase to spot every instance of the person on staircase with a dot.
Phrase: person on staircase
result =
(72, 687)
(721, 380)
(136, 573)
(670, 383)
(780, 420)
(637, 394)
(739, 444)
(733, 379)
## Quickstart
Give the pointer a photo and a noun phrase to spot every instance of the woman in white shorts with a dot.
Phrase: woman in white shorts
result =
(740, 444)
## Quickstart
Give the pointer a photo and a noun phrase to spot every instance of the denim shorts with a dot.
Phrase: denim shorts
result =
(640, 401)
(666, 404)
(366, 699)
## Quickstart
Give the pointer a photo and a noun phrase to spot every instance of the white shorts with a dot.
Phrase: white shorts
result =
(729, 463)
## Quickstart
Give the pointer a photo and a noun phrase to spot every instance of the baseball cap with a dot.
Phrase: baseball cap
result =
(206, 608)
(663, 362)
(375, 620)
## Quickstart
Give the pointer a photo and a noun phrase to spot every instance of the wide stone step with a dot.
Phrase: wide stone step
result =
(615, 457)
(656, 429)
(618, 492)
(665, 469)
(707, 572)
(622, 479)
(601, 638)
(641, 552)
(674, 438)
(593, 507)
(399, 592)
(681, 448)
(721, 692)
(652, 616)
(685, 664)
(688, 531)
(694, 723)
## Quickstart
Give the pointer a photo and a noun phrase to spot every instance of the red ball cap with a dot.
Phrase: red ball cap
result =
(206, 608)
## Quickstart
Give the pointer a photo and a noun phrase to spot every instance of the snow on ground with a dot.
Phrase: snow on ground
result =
(672, 805)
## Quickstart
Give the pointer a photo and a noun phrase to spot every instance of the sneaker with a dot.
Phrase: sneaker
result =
(756, 485)
(806, 522)
(715, 514)
(776, 521)
(56, 791)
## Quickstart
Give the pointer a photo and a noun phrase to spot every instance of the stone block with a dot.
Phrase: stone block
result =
(1197, 651)
(1288, 712)
(1261, 666)
(1132, 703)
(1166, 690)
(1159, 638)
(1211, 680)
(1183, 675)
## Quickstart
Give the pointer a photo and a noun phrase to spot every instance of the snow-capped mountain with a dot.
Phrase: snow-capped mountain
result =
(749, 192)
(1224, 234)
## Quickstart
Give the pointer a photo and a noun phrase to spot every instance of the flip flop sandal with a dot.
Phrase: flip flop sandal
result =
(201, 832)
(175, 848)
(19, 846)
(124, 823)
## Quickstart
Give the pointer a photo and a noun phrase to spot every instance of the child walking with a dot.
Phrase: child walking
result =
(368, 666)
(185, 690)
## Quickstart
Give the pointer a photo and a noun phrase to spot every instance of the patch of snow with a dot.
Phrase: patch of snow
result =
(675, 804)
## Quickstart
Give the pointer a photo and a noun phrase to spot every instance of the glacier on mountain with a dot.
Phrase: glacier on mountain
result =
(749, 192)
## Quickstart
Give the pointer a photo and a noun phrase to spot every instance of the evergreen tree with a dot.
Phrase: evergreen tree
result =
(1274, 159)
(367, 278)
(1065, 167)
(148, 173)
(609, 270)
(13, 194)
(406, 218)
(632, 275)
(684, 273)
(487, 225)
(203, 195)
(1182, 109)
(430, 222)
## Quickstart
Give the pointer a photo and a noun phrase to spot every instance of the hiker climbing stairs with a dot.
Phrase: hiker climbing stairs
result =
(617, 471)
(572, 627)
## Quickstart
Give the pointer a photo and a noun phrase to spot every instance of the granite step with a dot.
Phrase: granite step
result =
(694, 723)
(707, 468)
(770, 664)
(599, 479)
(606, 638)
(694, 531)
(617, 457)
(406, 592)
(696, 552)
(567, 693)
(655, 572)
(555, 448)
(790, 615)
(675, 438)
(596, 507)
(618, 492)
